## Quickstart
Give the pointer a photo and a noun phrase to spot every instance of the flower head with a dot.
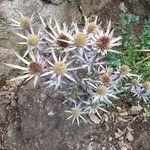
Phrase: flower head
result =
(57, 37)
(103, 42)
(24, 22)
(123, 73)
(146, 85)
(101, 92)
(94, 107)
(60, 68)
(76, 113)
(91, 26)
(32, 40)
(33, 69)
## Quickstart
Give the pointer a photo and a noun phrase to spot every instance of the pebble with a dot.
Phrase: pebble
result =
(129, 137)
(135, 110)
(95, 119)
(124, 148)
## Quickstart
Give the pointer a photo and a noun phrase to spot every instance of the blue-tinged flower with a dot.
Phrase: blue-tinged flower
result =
(57, 37)
(91, 26)
(24, 22)
(100, 92)
(89, 60)
(33, 69)
(59, 69)
(94, 107)
(123, 73)
(32, 40)
(78, 41)
(76, 113)
(103, 42)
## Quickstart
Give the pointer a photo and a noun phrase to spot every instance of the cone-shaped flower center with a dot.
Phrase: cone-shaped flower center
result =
(80, 40)
(33, 39)
(124, 70)
(25, 22)
(147, 85)
(76, 112)
(102, 90)
(62, 43)
(91, 27)
(35, 68)
(135, 82)
(106, 79)
(103, 44)
(60, 68)
(109, 71)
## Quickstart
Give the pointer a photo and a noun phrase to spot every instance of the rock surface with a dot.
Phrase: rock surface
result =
(6, 56)
(44, 125)
(140, 7)
(143, 142)
(62, 10)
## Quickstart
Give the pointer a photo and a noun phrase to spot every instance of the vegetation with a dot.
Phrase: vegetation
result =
(91, 66)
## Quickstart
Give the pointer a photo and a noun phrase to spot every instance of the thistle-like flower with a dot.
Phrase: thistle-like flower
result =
(89, 60)
(103, 42)
(79, 41)
(33, 69)
(32, 40)
(57, 36)
(146, 86)
(123, 73)
(76, 114)
(94, 107)
(91, 27)
(24, 22)
(139, 90)
(60, 68)
(101, 92)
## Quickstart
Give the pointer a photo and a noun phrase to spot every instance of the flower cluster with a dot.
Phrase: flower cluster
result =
(141, 91)
(72, 59)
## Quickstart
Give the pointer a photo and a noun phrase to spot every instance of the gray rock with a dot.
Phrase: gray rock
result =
(41, 131)
(6, 56)
(143, 142)
(140, 7)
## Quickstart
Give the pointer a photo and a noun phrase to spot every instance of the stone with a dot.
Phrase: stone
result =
(6, 56)
(139, 7)
(44, 125)
(142, 142)
(95, 119)
(129, 137)
(135, 110)
(91, 6)
(124, 148)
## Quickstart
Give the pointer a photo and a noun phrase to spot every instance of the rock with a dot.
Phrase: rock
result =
(124, 148)
(95, 119)
(122, 7)
(123, 114)
(44, 125)
(129, 137)
(55, 2)
(6, 56)
(139, 7)
(142, 142)
(93, 6)
(135, 110)
(106, 119)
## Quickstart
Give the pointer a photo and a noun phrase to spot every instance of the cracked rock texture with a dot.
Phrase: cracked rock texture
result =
(61, 9)
(44, 125)
(6, 56)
